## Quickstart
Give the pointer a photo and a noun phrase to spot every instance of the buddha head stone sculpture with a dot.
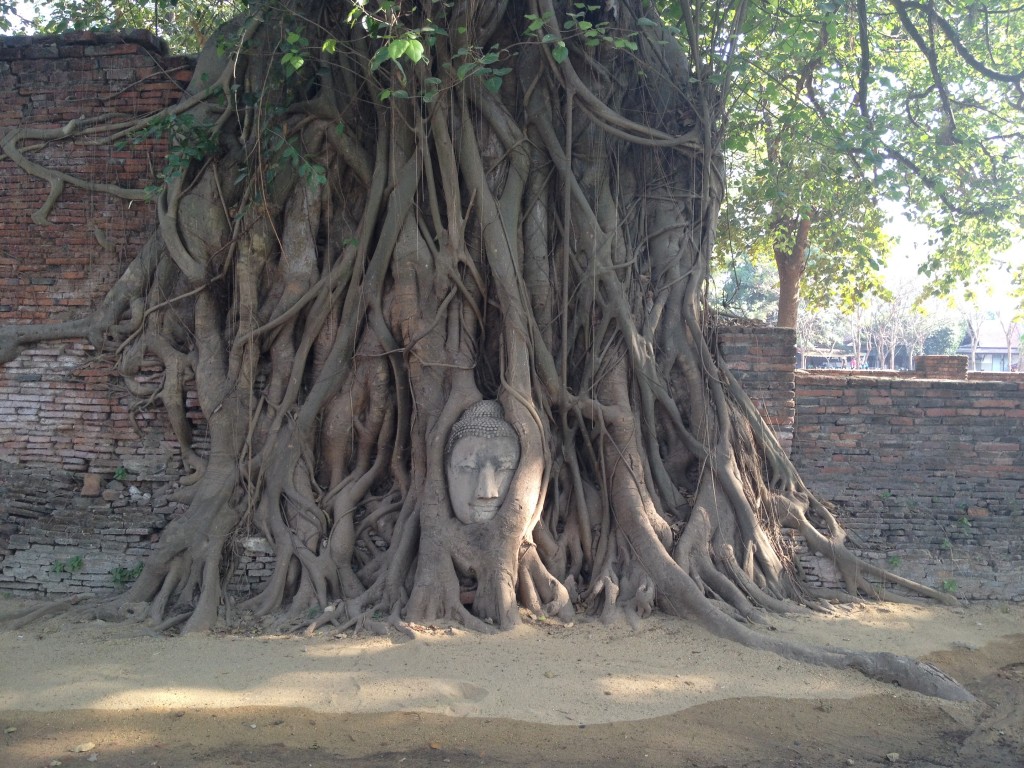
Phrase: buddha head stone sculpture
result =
(481, 457)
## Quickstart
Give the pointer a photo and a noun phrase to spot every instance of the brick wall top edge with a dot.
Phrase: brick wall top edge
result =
(141, 37)
(836, 375)
(768, 330)
(995, 376)
(868, 379)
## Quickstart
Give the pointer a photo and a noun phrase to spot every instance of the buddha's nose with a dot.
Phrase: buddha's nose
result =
(487, 483)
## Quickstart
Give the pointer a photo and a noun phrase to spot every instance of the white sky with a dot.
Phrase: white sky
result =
(910, 249)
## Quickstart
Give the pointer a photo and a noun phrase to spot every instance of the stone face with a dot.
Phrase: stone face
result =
(481, 458)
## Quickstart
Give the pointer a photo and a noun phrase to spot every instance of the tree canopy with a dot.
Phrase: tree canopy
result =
(841, 105)
(184, 24)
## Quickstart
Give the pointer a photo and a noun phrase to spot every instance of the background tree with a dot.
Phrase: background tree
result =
(843, 105)
(822, 333)
(745, 288)
(184, 24)
(402, 209)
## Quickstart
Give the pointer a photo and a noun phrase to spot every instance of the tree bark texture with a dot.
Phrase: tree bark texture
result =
(791, 261)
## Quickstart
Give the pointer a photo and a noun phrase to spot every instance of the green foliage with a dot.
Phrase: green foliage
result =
(71, 565)
(190, 141)
(293, 56)
(950, 586)
(286, 150)
(593, 34)
(8, 15)
(407, 47)
(745, 289)
(820, 129)
(122, 575)
(478, 64)
(184, 24)
(578, 24)
(120, 473)
(945, 340)
(927, 114)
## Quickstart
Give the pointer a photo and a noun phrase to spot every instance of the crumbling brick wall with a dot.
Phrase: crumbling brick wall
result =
(60, 406)
(763, 358)
(80, 470)
(928, 473)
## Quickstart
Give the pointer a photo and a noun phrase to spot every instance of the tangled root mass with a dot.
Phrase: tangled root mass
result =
(401, 215)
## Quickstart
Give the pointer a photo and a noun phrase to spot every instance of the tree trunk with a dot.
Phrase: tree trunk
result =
(791, 263)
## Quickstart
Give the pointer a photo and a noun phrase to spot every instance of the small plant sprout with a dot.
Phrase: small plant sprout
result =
(122, 575)
(71, 565)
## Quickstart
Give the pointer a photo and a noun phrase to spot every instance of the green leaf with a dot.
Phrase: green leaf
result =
(493, 84)
(379, 57)
(414, 51)
(560, 53)
(397, 48)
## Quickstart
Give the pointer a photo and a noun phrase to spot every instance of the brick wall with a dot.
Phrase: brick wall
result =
(59, 405)
(928, 473)
(763, 359)
(941, 366)
(65, 415)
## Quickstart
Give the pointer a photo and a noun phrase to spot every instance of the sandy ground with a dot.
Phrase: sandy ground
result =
(543, 694)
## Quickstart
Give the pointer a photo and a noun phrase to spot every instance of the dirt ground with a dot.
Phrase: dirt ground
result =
(542, 695)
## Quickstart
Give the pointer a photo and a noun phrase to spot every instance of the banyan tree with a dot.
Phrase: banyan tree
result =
(436, 273)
